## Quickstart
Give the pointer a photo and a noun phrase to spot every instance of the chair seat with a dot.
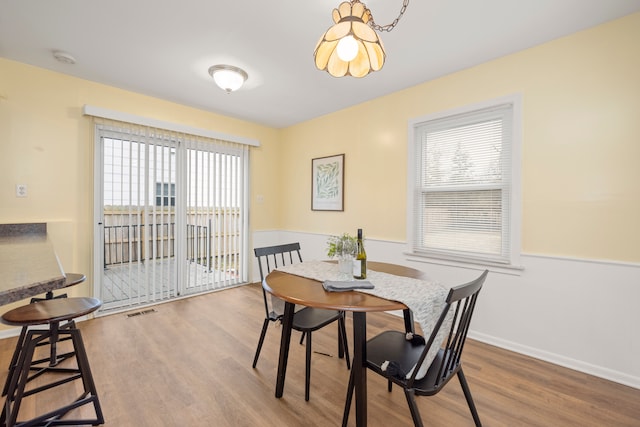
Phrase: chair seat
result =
(393, 346)
(311, 319)
(49, 311)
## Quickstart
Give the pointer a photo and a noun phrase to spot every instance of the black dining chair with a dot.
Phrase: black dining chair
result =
(397, 358)
(306, 319)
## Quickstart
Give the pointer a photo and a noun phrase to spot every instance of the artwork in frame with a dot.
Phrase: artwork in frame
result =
(327, 183)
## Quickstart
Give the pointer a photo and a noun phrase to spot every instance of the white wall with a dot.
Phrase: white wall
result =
(575, 313)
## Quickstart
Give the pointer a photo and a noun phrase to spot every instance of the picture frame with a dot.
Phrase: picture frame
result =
(327, 183)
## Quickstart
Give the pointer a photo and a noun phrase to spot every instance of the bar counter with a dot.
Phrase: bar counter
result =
(28, 263)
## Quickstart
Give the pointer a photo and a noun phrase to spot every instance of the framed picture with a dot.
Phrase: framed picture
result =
(327, 183)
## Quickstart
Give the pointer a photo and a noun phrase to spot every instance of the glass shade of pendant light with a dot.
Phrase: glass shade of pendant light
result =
(350, 47)
(228, 77)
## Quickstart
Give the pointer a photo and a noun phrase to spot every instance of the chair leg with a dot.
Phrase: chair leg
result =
(265, 325)
(389, 385)
(467, 395)
(307, 376)
(342, 342)
(347, 403)
(411, 400)
(302, 338)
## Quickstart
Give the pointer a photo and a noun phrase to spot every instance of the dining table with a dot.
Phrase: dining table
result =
(295, 289)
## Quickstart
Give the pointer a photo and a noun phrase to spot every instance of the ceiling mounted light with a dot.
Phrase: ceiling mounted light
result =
(351, 47)
(64, 57)
(228, 77)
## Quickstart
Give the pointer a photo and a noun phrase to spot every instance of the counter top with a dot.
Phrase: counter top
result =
(28, 263)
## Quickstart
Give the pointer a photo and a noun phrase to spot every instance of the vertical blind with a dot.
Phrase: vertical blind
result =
(216, 202)
(174, 213)
(463, 185)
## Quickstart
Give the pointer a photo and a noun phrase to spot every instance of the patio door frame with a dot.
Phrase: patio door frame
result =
(181, 219)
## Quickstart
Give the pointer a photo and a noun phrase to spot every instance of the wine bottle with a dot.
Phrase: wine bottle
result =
(360, 262)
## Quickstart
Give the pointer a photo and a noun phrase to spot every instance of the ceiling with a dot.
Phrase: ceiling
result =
(164, 48)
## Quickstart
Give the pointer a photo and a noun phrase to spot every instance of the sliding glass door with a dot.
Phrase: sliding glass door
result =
(171, 215)
(215, 215)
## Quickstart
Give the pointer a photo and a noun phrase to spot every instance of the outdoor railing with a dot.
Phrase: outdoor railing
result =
(125, 243)
(128, 243)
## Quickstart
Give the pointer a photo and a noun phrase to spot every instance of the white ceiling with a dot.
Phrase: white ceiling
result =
(163, 48)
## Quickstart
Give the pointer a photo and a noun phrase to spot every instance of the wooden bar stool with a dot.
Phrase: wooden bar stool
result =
(50, 312)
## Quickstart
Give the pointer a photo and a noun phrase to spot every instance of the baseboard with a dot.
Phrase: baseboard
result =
(9, 333)
(14, 332)
(559, 360)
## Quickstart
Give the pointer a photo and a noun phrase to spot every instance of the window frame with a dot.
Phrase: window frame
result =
(515, 208)
(165, 194)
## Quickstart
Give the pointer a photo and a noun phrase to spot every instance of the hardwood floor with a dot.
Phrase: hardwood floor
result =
(188, 363)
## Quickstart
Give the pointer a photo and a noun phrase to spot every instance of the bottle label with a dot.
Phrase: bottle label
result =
(357, 268)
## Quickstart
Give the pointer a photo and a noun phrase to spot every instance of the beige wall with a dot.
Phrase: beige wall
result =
(47, 144)
(581, 146)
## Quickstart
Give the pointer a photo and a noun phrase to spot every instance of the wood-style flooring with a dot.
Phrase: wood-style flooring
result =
(188, 363)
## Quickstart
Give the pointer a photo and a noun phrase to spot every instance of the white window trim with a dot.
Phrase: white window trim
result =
(516, 180)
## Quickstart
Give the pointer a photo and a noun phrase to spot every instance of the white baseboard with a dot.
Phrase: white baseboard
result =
(9, 333)
(557, 359)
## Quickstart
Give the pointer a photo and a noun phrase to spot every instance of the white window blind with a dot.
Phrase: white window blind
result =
(217, 210)
(463, 186)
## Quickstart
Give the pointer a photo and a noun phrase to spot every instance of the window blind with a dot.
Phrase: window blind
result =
(462, 188)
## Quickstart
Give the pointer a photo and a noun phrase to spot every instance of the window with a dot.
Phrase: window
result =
(165, 195)
(464, 189)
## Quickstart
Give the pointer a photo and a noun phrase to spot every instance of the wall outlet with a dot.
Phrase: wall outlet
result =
(21, 190)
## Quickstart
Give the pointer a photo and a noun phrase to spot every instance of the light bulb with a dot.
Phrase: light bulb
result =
(347, 48)
(228, 77)
(228, 80)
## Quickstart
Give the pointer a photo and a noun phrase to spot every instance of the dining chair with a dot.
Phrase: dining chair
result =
(398, 356)
(306, 319)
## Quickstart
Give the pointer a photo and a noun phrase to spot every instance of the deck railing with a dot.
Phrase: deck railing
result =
(125, 243)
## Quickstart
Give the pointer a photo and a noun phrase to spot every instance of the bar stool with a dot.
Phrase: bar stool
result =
(50, 312)
(70, 280)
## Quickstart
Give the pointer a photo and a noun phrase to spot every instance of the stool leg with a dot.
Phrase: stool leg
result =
(53, 343)
(85, 371)
(14, 359)
(20, 378)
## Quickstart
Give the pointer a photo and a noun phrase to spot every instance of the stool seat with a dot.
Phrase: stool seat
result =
(49, 311)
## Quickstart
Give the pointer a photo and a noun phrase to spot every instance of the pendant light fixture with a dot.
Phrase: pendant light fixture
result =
(351, 47)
